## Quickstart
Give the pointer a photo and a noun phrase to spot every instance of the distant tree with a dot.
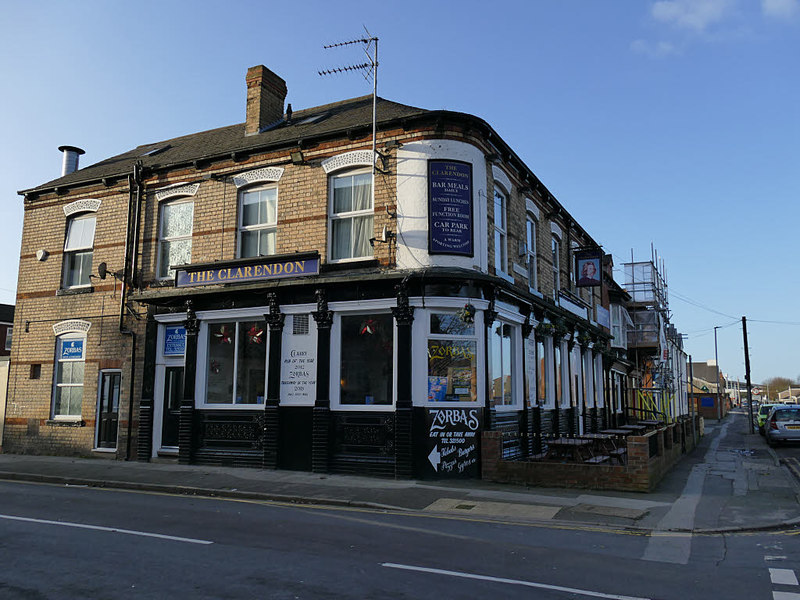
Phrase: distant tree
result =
(773, 385)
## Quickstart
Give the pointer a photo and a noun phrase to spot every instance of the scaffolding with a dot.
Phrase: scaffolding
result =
(654, 344)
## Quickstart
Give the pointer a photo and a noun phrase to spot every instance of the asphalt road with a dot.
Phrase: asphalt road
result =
(71, 542)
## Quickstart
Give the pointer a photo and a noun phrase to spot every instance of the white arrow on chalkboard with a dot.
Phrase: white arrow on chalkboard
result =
(435, 457)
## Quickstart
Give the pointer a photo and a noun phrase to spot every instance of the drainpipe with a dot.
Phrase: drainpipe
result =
(131, 255)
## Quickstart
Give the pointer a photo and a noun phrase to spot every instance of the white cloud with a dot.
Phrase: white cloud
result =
(654, 49)
(780, 9)
(695, 15)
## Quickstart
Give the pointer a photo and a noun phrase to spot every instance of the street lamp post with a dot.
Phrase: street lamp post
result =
(716, 359)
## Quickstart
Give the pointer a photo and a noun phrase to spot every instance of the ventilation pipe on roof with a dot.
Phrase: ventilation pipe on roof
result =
(70, 162)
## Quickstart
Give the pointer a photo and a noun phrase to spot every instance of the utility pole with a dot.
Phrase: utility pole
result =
(716, 360)
(747, 372)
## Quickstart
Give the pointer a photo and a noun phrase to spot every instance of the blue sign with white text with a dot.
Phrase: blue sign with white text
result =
(450, 207)
(174, 340)
(72, 350)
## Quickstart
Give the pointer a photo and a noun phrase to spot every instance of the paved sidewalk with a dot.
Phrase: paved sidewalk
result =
(732, 481)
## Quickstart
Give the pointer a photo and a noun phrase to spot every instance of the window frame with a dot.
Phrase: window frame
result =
(75, 251)
(269, 227)
(9, 338)
(451, 337)
(500, 237)
(161, 238)
(334, 390)
(68, 336)
(531, 240)
(555, 248)
(350, 215)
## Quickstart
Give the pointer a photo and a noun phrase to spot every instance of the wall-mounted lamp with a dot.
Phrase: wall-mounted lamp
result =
(41, 255)
(297, 157)
(392, 144)
(386, 237)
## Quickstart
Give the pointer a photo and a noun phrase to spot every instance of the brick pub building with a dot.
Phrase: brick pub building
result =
(274, 295)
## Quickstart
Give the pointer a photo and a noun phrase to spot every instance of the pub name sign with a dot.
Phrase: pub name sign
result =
(269, 269)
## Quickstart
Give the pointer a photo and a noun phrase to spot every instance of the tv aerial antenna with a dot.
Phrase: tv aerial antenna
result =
(368, 69)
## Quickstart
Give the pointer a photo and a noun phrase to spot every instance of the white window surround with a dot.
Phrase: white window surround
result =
(164, 239)
(268, 226)
(421, 334)
(263, 175)
(351, 216)
(500, 177)
(83, 205)
(67, 335)
(500, 237)
(71, 326)
(556, 231)
(356, 158)
(531, 207)
(334, 389)
(177, 189)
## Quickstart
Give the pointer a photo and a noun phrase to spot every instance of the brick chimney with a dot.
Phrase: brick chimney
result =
(265, 95)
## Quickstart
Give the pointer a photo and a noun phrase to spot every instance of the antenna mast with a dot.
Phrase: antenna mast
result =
(369, 70)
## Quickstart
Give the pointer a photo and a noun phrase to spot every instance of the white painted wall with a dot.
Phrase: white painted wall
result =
(412, 204)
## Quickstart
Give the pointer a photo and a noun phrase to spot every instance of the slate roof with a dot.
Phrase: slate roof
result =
(6, 313)
(309, 123)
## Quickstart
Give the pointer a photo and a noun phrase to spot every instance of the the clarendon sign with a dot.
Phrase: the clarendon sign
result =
(272, 267)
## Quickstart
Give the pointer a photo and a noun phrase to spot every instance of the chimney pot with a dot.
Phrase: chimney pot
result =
(266, 93)
(69, 164)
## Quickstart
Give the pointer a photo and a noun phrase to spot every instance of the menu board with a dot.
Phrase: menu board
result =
(453, 441)
(450, 207)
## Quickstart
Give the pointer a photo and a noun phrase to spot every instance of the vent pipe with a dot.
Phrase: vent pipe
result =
(70, 162)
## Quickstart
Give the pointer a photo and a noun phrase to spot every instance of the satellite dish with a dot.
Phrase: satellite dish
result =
(102, 270)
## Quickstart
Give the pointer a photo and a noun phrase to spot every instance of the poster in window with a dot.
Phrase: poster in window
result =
(72, 350)
(174, 340)
(450, 207)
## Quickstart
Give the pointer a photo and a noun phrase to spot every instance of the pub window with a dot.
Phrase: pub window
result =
(557, 372)
(367, 359)
(78, 250)
(351, 215)
(541, 373)
(68, 380)
(174, 236)
(500, 230)
(258, 221)
(501, 364)
(452, 359)
(236, 368)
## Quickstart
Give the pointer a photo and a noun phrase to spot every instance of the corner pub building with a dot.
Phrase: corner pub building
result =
(274, 295)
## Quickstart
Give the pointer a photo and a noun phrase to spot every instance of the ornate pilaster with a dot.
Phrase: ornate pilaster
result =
(275, 320)
(404, 444)
(186, 424)
(321, 434)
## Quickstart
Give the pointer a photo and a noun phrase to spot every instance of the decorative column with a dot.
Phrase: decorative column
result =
(404, 438)
(144, 448)
(186, 423)
(489, 316)
(587, 413)
(275, 320)
(572, 409)
(527, 406)
(321, 426)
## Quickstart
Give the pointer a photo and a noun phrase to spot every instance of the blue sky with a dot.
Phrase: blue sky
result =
(673, 123)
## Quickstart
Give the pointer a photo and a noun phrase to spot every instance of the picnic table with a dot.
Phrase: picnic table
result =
(619, 432)
(564, 448)
(635, 428)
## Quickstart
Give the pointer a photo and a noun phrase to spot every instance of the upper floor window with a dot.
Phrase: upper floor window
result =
(9, 333)
(258, 220)
(500, 230)
(351, 216)
(68, 384)
(174, 236)
(556, 248)
(78, 251)
(531, 245)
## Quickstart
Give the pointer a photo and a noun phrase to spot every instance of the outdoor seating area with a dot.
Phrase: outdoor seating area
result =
(626, 458)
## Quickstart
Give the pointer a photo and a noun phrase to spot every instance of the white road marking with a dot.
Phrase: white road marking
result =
(785, 596)
(783, 576)
(109, 529)
(532, 584)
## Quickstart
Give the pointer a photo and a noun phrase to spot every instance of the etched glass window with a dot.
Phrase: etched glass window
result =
(175, 237)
